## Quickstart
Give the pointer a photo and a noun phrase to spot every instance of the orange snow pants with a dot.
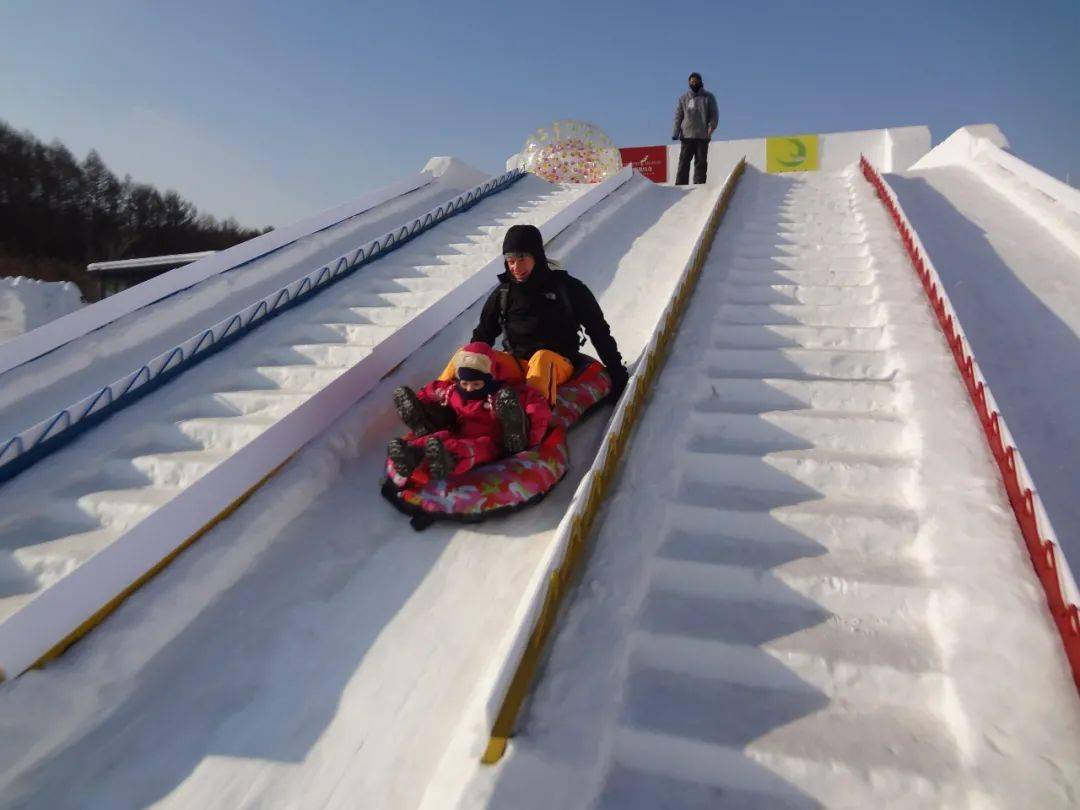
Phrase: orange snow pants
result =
(545, 371)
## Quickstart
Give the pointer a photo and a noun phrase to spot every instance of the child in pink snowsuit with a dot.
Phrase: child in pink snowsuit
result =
(469, 420)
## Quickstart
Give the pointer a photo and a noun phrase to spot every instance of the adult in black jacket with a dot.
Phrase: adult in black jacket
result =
(540, 312)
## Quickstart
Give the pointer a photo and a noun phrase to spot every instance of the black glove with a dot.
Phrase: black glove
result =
(619, 378)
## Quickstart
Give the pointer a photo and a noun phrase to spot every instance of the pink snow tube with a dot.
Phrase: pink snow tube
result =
(510, 483)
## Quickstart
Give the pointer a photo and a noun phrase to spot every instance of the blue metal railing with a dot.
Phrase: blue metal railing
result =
(34, 443)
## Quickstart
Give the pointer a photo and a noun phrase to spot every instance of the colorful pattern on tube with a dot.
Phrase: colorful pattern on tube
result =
(510, 482)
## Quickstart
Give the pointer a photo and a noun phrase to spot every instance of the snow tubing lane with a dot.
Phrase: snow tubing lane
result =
(511, 483)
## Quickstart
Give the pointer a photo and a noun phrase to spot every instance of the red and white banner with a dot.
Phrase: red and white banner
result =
(651, 161)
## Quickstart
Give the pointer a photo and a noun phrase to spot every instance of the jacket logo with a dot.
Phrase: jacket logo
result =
(550, 296)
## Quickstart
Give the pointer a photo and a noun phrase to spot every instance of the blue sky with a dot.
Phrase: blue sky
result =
(267, 113)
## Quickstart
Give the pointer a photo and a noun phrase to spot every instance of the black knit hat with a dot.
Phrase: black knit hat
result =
(697, 76)
(525, 239)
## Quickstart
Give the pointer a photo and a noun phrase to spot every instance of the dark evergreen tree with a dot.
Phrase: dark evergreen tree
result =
(54, 208)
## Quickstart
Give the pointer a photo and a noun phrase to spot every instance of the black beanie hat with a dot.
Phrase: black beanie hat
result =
(525, 239)
(697, 76)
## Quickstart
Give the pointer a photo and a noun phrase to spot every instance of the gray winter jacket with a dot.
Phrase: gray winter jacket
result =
(694, 114)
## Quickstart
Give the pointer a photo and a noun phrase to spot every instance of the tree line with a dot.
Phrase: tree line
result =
(55, 209)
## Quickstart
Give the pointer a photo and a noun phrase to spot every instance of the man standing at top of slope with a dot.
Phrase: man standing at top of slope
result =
(540, 310)
(696, 117)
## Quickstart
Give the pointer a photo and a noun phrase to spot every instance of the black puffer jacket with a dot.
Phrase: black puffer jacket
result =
(538, 318)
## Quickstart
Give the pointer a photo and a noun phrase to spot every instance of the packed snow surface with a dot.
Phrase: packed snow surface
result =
(313, 650)
(75, 502)
(1016, 288)
(26, 304)
(807, 588)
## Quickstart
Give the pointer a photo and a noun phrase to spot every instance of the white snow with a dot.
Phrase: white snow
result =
(1016, 288)
(807, 588)
(27, 303)
(82, 498)
(284, 658)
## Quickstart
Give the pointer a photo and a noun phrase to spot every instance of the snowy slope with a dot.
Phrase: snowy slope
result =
(807, 587)
(73, 503)
(1016, 287)
(26, 304)
(312, 650)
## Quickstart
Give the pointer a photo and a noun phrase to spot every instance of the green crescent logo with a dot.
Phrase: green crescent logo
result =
(800, 154)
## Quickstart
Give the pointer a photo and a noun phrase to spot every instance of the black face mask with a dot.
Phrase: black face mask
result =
(490, 387)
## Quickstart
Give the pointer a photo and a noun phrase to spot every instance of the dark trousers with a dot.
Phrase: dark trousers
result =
(698, 149)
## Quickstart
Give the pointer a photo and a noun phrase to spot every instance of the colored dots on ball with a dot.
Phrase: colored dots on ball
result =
(570, 151)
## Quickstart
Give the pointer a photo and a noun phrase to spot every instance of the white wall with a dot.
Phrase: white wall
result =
(897, 147)
(723, 155)
(904, 146)
(1055, 205)
(893, 149)
(961, 146)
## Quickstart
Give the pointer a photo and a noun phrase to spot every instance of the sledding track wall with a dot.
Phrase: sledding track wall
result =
(37, 441)
(1048, 559)
(1051, 203)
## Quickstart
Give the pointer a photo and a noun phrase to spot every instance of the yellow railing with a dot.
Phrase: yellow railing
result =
(595, 483)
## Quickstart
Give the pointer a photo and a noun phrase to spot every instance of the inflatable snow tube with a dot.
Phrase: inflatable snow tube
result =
(510, 483)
